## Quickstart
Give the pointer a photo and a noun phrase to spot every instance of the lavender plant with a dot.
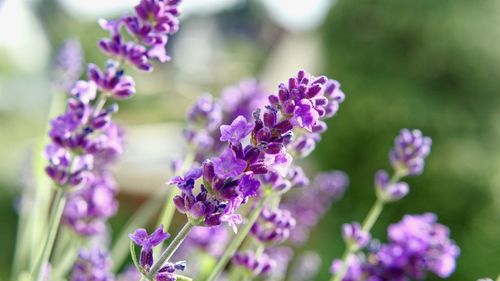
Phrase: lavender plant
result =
(248, 204)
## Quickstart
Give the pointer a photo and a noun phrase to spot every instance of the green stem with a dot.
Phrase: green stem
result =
(373, 215)
(367, 225)
(55, 219)
(99, 105)
(236, 242)
(172, 247)
(32, 224)
(66, 262)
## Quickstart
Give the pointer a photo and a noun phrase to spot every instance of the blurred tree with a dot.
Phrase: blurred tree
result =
(431, 65)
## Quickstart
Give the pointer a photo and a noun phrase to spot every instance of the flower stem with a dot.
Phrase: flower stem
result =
(344, 266)
(373, 215)
(55, 219)
(367, 225)
(236, 242)
(172, 247)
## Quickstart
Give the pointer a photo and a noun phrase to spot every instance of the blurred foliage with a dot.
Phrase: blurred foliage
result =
(7, 229)
(431, 65)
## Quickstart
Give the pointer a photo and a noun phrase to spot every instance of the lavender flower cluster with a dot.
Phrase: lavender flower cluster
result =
(417, 245)
(85, 141)
(231, 178)
(243, 174)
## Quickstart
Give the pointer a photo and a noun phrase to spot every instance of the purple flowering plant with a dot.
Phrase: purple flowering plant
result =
(248, 204)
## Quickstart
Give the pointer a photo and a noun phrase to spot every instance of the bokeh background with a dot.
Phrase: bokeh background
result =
(425, 64)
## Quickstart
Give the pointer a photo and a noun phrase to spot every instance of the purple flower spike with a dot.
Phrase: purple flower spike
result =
(212, 240)
(356, 269)
(141, 238)
(230, 215)
(239, 129)
(273, 226)
(409, 152)
(305, 115)
(92, 265)
(147, 242)
(256, 265)
(388, 191)
(417, 245)
(261, 150)
(308, 99)
(425, 244)
(112, 80)
(153, 23)
(354, 235)
(249, 186)
(166, 273)
(68, 64)
(88, 208)
(227, 165)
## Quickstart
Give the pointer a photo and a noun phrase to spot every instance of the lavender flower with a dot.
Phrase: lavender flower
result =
(273, 226)
(92, 265)
(417, 245)
(387, 190)
(242, 99)
(425, 246)
(230, 178)
(112, 80)
(88, 208)
(151, 26)
(166, 273)
(80, 135)
(328, 106)
(409, 152)
(354, 236)
(204, 117)
(310, 203)
(254, 265)
(207, 114)
(238, 130)
(68, 64)
(295, 177)
(147, 242)
(211, 240)
(282, 256)
(357, 268)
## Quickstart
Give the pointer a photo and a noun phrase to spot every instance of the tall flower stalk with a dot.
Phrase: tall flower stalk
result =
(407, 159)
(84, 140)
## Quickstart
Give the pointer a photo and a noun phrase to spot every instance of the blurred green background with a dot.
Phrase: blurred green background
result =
(425, 64)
